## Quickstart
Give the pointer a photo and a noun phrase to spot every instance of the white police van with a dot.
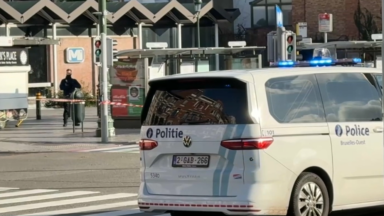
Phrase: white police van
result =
(301, 141)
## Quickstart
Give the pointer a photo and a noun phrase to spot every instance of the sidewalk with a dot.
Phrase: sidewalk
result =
(48, 134)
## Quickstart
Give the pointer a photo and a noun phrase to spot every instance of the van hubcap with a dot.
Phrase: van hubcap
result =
(311, 201)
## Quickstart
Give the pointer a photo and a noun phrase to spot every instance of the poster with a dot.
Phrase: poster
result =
(136, 98)
(127, 72)
(134, 93)
(128, 81)
(128, 95)
(119, 96)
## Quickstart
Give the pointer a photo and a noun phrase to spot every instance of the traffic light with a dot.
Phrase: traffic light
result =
(290, 45)
(111, 51)
(97, 50)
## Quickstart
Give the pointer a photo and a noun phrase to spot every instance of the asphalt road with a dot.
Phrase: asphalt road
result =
(74, 184)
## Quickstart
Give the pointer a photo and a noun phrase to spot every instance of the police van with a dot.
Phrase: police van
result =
(288, 140)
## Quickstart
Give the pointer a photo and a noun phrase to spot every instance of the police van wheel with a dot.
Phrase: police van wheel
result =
(309, 197)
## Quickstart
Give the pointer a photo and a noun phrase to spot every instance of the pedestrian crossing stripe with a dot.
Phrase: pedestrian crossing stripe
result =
(85, 209)
(5, 189)
(13, 200)
(46, 197)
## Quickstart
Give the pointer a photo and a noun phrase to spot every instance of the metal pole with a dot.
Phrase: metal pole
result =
(179, 38)
(102, 18)
(325, 37)
(180, 45)
(140, 35)
(260, 61)
(104, 70)
(198, 41)
(104, 79)
(217, 45)
(198, 29)
(38, 106)
(146, 75)
(54, 55)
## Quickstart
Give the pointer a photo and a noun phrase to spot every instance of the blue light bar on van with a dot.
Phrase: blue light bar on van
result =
(357, 60)
(316, 63)
(286, 63)
(321, 62)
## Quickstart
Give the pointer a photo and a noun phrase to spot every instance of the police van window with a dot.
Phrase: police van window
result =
(196, 102)
(295, 99)
(379, 79)
(349, 97)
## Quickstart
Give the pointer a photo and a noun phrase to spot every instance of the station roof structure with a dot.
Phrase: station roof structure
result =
(341, 45)
(132, 11)
(148, 53)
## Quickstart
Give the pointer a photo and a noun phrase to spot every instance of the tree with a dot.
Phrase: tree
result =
(365, 23)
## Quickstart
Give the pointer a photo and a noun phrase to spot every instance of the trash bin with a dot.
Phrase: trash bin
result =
(78, 108)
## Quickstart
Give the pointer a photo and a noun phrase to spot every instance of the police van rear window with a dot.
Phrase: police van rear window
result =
(196, 102)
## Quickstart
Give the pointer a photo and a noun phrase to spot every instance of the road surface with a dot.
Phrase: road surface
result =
(101, 183)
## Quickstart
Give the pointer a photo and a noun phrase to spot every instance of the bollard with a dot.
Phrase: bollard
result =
(38, 106)
(78, 109)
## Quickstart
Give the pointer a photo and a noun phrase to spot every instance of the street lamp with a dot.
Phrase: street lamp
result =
(197, 10)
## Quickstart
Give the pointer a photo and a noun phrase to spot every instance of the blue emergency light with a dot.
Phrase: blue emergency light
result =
(317, 63)
(321, 62)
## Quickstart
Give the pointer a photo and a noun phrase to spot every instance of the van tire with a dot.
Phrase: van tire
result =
(313, 181)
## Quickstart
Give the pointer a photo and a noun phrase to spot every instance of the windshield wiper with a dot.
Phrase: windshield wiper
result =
(194, 122)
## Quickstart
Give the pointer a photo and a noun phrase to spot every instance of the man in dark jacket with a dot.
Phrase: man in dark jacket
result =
(68, 86)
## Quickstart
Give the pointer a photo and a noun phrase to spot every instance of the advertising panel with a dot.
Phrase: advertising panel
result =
(119, 96)
(127, 79)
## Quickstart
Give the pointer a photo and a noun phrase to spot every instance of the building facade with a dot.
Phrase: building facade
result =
(75, 26)
(258, 17)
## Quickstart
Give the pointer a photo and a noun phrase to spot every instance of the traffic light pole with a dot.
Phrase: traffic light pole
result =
(102, 18)
(104, 79)
(280, 43)
(107, 129)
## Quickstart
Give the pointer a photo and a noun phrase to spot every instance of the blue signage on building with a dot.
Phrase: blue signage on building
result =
(75, 55)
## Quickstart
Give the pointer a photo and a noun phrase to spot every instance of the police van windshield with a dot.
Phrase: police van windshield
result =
(196, 102)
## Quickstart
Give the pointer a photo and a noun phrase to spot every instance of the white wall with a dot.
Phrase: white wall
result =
(245, 13)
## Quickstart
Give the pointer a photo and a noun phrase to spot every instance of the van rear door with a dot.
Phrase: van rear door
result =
(184, 124)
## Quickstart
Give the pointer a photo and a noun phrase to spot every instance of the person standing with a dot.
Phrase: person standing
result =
(68, 86)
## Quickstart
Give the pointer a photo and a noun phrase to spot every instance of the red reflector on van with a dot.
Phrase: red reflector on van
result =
(247, 144)
(146, 144)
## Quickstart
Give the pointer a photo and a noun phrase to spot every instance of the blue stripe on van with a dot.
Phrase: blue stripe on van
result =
(217, 173)
(222, 152)
(231, 158)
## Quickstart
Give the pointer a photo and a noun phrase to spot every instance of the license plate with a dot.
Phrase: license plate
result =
(190, 161)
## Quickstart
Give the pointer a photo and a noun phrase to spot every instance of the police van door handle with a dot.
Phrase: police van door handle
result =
(378, 130)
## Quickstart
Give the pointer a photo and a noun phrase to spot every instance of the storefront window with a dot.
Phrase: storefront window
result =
(39, 64)
(263, 12)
